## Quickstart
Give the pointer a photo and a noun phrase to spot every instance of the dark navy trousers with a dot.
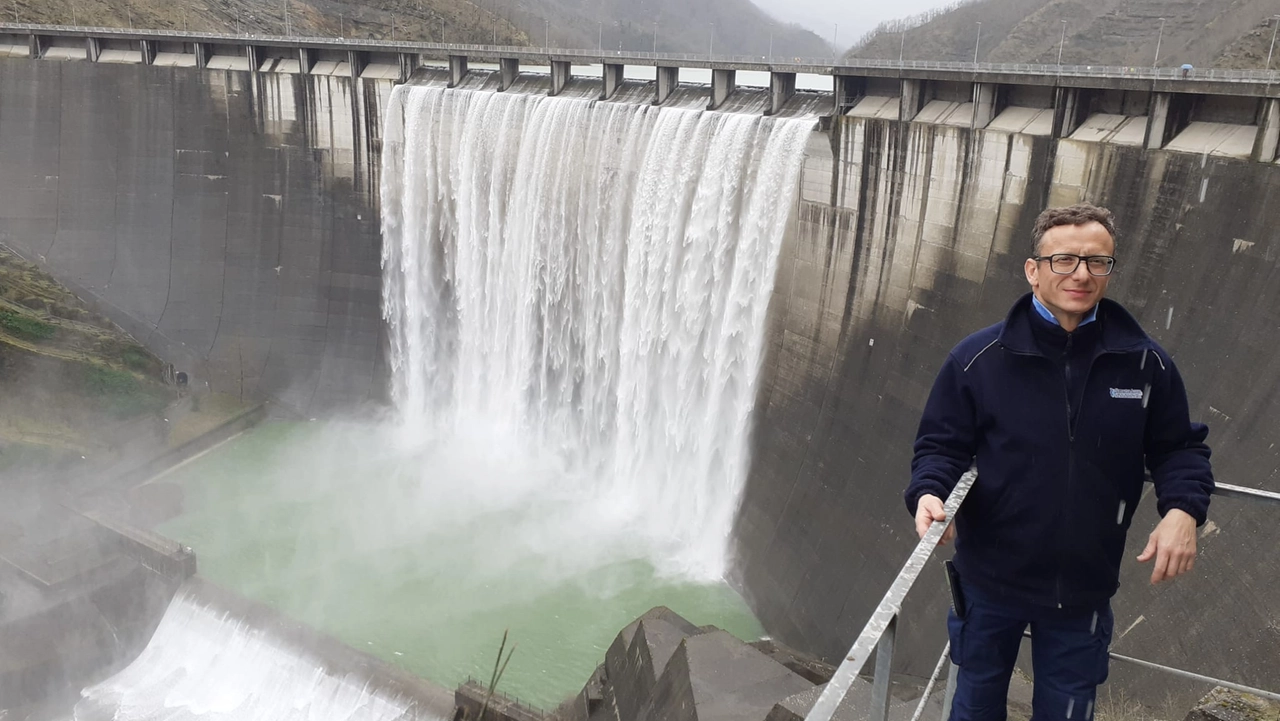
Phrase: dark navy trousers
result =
(1068, 653)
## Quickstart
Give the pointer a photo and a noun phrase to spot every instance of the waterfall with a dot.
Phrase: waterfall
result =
(589, 281)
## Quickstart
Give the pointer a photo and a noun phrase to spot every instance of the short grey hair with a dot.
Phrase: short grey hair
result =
(1078, 214)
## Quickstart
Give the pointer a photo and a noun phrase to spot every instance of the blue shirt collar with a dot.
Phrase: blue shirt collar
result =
(1089, 317)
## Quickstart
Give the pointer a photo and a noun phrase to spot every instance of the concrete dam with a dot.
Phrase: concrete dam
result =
(224, 202)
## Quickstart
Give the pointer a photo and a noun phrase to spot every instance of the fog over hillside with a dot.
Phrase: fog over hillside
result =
(722, 26)
(1223, 33)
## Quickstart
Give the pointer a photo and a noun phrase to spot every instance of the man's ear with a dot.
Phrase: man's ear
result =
(1030, 268)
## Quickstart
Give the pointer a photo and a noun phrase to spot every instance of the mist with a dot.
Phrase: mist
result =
(854, 19)
(572, 376)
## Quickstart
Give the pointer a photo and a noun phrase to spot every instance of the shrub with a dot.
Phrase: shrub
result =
(136, 358)
(102, 381)
(120, 392)
(25, 327)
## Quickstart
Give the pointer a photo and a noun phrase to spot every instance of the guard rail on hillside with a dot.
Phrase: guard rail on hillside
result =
(817, 66)
(880, 632)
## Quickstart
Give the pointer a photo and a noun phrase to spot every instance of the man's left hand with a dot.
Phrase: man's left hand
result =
(1173, 545)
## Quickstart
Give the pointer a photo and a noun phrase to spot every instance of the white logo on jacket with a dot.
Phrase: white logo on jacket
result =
(1129, 393)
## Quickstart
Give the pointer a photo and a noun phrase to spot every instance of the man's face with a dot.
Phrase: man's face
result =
(1074, 294)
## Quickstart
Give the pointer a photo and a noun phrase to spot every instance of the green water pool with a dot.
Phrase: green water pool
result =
(425, 557)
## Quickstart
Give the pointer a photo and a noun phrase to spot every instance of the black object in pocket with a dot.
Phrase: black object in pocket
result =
(957, 593)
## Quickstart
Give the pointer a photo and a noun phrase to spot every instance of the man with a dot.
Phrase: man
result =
(1059, 406)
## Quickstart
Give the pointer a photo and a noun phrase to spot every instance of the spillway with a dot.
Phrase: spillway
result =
(576, 295)
(591, 278)
(208, 662)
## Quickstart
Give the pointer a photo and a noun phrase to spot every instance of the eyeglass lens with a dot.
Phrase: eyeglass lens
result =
(1066, 264)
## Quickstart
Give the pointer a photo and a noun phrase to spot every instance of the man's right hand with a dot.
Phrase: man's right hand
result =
(929, 509)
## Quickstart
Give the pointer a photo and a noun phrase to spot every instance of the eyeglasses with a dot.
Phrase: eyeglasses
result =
(1066, 263)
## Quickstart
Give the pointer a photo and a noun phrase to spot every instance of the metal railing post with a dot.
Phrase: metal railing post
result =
(933, 681)
(949, 695)
(882, 681)
(886, 613)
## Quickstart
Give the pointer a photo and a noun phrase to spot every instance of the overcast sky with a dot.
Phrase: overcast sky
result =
(854, 16)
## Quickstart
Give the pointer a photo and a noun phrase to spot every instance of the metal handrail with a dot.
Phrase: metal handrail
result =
(881, 627)
(819, 66)
(880, 631)
(1249, 494)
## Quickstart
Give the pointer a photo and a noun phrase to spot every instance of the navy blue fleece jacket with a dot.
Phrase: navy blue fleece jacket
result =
(1060, 426)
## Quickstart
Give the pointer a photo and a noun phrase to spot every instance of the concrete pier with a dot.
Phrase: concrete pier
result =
(1066, 111)
(1157, 120)
(1268, 141)
(911, 100)
(723, 83)
(561, 74)
(612, 80)
(457, 69)
(782, 87)
(306, 60)
(508, 71)
(408, 63)
(148, 48)
(357, 61)
(253, 54)
(847, 90)
(668, 79)
(984, 104)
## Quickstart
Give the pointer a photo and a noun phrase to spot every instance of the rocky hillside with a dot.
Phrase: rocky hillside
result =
(1205, 33)
(739, 26)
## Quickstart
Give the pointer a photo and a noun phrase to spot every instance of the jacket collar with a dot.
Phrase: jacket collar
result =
(1120, 331)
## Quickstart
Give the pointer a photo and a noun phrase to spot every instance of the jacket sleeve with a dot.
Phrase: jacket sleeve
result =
(947, 438)
(1176, 453)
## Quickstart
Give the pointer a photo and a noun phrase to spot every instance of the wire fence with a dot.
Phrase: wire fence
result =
(820, 66)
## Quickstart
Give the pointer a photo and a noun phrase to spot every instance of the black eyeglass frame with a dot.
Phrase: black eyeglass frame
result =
(1079, 259)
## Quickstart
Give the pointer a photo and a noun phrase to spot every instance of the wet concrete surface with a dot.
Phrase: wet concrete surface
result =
(227, 220)
(908, 237)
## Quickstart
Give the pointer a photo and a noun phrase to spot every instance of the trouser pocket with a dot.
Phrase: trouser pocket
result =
(1102, 637)
(955, 634)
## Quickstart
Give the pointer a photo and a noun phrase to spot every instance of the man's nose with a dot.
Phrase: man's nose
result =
(1082, 271)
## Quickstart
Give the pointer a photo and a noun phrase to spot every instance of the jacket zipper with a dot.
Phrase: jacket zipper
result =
(1071, 458)
(1070, 429)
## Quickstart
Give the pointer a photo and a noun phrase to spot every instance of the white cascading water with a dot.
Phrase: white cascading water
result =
(203, 665)
(589, 281)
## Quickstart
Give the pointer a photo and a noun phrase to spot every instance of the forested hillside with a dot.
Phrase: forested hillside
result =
(725, 26)
(1206, 33)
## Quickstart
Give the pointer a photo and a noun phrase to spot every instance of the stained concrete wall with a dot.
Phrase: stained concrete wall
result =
(910, 236)
(227, 219)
